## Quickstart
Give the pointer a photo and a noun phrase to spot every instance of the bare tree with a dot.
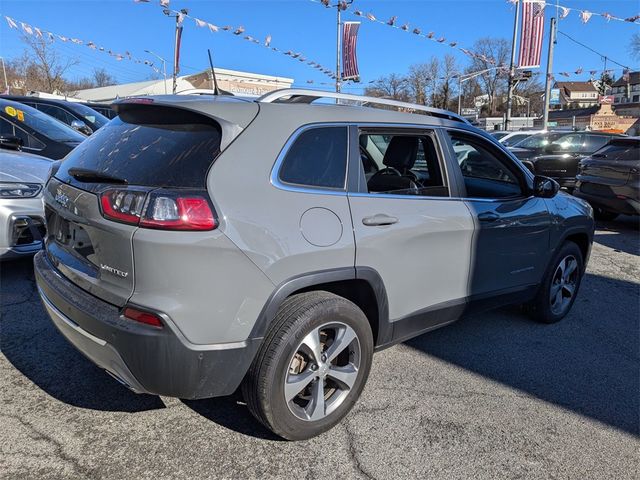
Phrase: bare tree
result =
(448, 72)
(418, 82)
(102, 78)
(490, 53)
(43, 68)
(391, 86)
(634, 46)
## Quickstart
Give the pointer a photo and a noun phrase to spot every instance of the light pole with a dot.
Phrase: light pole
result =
(512, 69)
(164, 67)
(464, 78)
(176, 46)
(4, 72)
(339, 6)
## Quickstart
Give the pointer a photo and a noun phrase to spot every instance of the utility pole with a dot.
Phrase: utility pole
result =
(512, 72)
(547, 84)
(179, 16)
(338, 9)
(4, 72)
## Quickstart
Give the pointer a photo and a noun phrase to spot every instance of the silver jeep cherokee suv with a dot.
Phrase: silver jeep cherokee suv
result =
(198, 244)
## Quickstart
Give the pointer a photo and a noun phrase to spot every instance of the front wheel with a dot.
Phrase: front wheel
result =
(559, 287)
(312, 365)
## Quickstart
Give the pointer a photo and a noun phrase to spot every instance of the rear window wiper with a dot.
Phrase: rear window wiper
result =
(92, 176)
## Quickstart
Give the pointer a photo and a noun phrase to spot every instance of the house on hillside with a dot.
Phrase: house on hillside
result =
(577, 94)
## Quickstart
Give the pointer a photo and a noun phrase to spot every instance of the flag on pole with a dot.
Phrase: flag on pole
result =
(531, 34)
(349, 55)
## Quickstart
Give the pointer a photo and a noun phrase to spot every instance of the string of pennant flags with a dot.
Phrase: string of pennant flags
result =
(240, 32)
(47, 35)
(585, 15)
(393, 22)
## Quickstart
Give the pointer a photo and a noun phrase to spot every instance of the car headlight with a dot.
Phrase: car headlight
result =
(19, 190)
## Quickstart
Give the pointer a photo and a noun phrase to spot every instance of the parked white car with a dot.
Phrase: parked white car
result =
(22, 226)
(513, 138)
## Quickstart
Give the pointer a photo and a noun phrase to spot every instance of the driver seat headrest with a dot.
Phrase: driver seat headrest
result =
(401, 153)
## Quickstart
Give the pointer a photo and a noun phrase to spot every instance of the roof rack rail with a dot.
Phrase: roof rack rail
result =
(301, 95)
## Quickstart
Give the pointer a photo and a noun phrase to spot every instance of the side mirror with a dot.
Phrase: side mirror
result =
(545, 187)
(11, 142)
(80, 126)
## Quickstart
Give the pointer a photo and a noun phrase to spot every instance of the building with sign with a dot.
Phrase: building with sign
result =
(604, 118)
(573, 95)
(239, 83)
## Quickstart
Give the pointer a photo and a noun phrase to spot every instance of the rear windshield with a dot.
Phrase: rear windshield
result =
(620, 151)
(150, 146)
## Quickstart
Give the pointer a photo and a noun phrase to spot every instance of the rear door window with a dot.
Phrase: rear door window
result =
(317, 158)
(150, 146)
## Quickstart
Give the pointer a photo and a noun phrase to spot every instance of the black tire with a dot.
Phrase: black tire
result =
(604, 215)
(544, 308)
(301, 317)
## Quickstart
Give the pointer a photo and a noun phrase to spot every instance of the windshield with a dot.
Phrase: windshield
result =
(499, 135)
(41, 122)
(90, 115)
(543, 139)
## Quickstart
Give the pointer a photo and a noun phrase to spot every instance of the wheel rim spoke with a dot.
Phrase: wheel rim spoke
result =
(558, 298)
(569, 289)
(296, 383)
(555, 289)
(570, 269)
(344, 339)
(346, 376)
(312, 342)
(315, 410)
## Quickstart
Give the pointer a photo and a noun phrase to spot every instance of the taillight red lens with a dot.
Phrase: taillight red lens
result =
(178, 212)
(123, 205)
(159, 209)
(142, 317)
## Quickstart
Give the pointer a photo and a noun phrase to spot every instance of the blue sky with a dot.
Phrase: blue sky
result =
(302, 26)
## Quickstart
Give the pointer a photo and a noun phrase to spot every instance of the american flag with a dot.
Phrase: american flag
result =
(531, 34)
(349, 57)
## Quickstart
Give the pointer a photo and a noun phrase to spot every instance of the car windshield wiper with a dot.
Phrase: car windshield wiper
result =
(91, 176)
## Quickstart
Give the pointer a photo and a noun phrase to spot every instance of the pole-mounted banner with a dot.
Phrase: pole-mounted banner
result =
(531, 34)
(349, 54)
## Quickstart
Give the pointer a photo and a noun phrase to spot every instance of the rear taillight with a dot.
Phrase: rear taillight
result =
(141, 316)
(159, 209)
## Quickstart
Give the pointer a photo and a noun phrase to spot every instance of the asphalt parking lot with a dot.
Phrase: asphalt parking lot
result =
(494, 396)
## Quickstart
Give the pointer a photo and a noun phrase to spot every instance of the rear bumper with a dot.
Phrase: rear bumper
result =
(145, 359)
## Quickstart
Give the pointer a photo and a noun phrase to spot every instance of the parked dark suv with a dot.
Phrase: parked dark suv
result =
(197, 244)
(557, 154)
(25, 128)
(610, 179)
(77, 115)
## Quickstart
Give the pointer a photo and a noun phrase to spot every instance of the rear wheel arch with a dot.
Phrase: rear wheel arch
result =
(363, 286)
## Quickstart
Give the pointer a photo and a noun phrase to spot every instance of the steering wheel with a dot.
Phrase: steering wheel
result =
(389, 171)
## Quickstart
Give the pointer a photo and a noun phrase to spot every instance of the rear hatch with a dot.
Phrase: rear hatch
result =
(96, 198)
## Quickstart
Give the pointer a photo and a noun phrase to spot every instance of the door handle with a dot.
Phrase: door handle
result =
(488, 217)
(379, 220)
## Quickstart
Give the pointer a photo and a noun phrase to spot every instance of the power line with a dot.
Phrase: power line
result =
(602, 55)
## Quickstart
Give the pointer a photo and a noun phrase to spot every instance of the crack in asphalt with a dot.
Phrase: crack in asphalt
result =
(353, 453)
(58, 446)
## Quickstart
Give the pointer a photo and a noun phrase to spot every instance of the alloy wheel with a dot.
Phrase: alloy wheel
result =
(322, 371)
(563, 285)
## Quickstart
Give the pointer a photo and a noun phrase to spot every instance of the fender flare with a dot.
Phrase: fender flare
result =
(307, 280)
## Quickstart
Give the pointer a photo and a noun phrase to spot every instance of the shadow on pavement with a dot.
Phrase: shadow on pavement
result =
(34, 346)
(588, 363)
(230, 412)
(622, 234)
